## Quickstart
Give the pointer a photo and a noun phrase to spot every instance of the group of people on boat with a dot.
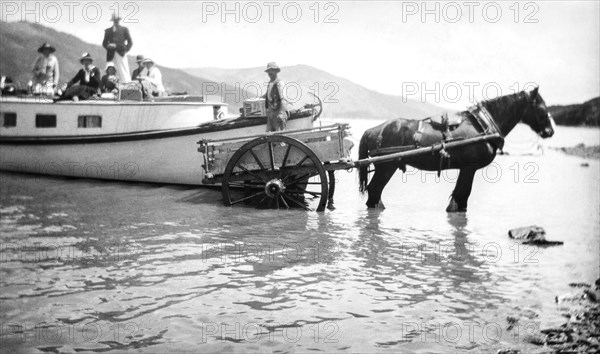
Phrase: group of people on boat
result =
(147, 77)
(89, 81)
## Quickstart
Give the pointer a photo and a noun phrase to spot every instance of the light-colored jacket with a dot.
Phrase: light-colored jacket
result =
(154, 76)
(45, 70)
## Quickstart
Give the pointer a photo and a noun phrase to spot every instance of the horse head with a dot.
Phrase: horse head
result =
(535, 114)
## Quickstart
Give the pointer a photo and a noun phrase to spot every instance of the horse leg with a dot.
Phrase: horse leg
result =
(382, 175)
(460, 195)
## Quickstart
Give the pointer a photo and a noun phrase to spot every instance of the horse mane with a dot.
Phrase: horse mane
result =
(499, 104)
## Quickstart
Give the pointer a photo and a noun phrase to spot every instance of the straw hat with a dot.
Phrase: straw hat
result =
(272, 66)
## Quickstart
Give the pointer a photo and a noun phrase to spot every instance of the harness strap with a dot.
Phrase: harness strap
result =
(444, 156)
(488, 117)
(486, 122)
(380, 136)
(418, 134)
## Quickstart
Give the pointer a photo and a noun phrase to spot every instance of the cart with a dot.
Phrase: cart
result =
(280, 169)
(294, 168)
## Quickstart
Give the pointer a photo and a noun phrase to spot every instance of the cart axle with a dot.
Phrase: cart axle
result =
(274, 188)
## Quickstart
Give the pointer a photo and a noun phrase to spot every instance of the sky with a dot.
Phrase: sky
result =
(446, 53)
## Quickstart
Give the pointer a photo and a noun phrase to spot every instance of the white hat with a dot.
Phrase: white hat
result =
(110, 64)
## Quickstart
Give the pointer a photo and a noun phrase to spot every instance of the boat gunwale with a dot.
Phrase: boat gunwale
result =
(209, 127)
(28, 100)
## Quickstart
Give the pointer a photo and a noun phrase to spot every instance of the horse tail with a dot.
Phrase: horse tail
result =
(363, 171)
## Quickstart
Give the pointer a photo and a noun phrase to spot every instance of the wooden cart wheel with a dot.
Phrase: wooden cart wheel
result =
(275, 171)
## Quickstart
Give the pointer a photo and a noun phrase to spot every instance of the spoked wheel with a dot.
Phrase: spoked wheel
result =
(275, 171)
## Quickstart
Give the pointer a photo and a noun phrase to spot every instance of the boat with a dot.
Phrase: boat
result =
(121, 139)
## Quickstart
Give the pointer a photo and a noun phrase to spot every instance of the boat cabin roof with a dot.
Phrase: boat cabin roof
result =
(169, 100)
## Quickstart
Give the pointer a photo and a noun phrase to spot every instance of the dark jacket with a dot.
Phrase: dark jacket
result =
(136, 73)
(108, 84)
(120, 37)
(94, 82)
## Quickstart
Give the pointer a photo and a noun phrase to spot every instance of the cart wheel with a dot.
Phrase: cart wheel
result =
(275, 171)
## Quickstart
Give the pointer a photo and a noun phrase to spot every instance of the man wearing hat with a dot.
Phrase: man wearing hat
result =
(45, 68)
(89, 75)
(276, 103)
(86, 82)
(151, 79)
(117, 43)
(136, 73)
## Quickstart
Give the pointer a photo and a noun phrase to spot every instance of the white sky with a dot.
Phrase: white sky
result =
(378, 44)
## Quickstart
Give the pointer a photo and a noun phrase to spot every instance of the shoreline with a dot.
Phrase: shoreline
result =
(580, 333)
(581, 150)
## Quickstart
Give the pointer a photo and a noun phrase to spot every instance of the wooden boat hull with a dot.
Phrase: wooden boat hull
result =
(159, 155)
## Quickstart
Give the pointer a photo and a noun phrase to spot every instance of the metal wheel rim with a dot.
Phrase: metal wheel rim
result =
(288, 196)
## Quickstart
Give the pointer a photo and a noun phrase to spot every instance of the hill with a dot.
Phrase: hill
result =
(587, 113)
(18, 50)
(343, 98)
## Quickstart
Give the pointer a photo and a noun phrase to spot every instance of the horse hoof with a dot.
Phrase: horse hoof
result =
(376, 206)
(454, 208)
(330, 205)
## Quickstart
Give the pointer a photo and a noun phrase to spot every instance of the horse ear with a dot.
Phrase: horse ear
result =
(534, 92)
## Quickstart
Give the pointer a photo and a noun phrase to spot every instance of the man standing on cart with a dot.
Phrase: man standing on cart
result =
(276, 103)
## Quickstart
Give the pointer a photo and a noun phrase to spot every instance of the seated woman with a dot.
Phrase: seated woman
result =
(86, 82)
(110, 81)
(45, 71)
(151, 80)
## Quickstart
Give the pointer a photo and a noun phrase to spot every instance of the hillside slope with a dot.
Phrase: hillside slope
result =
(18, 50)
(343, 98)
(587, 113)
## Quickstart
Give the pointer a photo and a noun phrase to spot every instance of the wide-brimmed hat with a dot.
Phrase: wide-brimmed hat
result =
(139, 58)
(114, 17)
(86, 56)
(148, 60)
(110, 64)
(46, 46)
(272, 66)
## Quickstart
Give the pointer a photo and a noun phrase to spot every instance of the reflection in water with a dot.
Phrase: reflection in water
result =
(119, 266)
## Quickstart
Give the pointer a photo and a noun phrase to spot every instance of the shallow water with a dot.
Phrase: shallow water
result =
(108, 266)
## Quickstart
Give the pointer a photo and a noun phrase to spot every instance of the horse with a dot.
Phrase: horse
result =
(504, 114)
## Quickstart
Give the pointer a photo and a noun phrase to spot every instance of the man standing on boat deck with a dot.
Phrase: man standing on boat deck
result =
(117, 43)
(276, 103)
(45, 68)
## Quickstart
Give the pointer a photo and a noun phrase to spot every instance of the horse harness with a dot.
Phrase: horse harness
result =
(445, 127)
